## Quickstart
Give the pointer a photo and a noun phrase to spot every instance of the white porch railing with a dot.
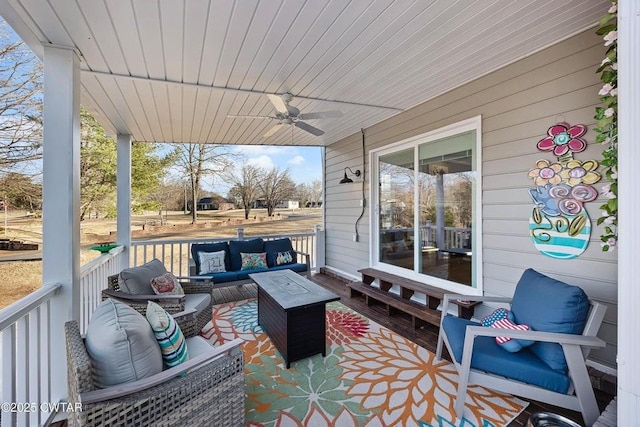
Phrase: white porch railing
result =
(454, 237)
(26, 359)
(93, 279)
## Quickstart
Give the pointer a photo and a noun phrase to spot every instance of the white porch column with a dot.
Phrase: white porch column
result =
(319, 247)
(123, 177)
(440, 242)
(61, 200)
(629, 209)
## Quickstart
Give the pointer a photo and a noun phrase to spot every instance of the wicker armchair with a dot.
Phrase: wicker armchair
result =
(173, 304)
(206, 390)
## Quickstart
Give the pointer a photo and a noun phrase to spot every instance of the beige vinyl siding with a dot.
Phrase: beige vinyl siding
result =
(517, 103)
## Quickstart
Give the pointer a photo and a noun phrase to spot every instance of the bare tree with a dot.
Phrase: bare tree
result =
(245, 188)
(309, 194)
(315, 192)
(198, 161)
(20, 101)
(460, 193)
(168, 196)
(276, 187)
(303, 194)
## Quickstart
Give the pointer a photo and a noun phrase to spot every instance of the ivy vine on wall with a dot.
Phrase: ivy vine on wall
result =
(607, 127)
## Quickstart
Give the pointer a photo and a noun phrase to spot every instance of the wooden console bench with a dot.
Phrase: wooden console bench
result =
(419, 312)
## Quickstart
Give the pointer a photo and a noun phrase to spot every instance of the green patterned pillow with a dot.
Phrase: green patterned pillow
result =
(168, 334)
(253, 261)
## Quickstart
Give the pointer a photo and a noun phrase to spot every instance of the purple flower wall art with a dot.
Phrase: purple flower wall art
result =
(559, 224)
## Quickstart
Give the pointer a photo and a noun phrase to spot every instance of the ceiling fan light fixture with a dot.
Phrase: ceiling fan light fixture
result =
(289, 115)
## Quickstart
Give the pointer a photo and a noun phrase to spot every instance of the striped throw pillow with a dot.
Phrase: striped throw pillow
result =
(507, 343)
(168, 334)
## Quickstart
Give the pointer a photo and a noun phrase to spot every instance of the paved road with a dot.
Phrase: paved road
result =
(14, 256)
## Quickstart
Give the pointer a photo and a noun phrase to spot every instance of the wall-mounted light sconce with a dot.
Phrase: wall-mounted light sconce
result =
(346, 179)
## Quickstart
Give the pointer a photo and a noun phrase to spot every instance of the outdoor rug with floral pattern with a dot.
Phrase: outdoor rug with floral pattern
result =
(370, 377)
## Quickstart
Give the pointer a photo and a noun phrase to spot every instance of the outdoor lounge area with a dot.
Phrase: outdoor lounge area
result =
(220, 341)
(478, 215)
(224, 401)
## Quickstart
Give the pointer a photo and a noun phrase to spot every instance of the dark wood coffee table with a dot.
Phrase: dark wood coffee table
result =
(291, 310)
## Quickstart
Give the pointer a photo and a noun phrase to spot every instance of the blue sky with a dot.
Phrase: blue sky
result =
(304, 163)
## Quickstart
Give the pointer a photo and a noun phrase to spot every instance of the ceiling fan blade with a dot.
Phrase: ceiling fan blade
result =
(250, 117)
(279, 104)
(306, 127)
(273, 130)
(335, 114)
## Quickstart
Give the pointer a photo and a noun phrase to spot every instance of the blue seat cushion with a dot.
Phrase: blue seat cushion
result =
(210, 247)
(227, 276)
(244, 274)
(246, 246)
(487, 356)
(549, 305)
(272, 247)
(297, 267)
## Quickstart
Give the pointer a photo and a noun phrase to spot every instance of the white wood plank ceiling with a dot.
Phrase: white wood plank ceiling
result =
(172, 70)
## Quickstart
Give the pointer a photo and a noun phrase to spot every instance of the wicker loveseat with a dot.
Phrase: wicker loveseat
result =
(206, 390)
(196, 301)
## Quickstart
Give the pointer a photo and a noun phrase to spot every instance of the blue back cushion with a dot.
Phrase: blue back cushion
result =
(272, 247)
(210, 247)
(246, 246)
(549, 305)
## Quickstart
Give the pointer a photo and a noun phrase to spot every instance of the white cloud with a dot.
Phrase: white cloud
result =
(296, 160)
(263, 161)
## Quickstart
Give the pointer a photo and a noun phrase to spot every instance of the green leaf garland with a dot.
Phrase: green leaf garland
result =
(607, 129)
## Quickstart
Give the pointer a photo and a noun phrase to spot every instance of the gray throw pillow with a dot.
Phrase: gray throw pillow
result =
(137, 280)
(121, 345)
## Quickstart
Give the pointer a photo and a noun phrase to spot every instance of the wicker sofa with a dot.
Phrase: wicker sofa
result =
(195, 305)
(231, 270)
(206, 390)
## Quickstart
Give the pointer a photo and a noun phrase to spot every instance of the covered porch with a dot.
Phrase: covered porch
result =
(174, 71)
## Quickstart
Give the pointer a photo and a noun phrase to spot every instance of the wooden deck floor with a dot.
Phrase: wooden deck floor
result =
(427, 336)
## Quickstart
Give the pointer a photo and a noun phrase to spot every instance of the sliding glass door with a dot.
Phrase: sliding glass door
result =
(446, 207)
(396, 219)
(428, 207)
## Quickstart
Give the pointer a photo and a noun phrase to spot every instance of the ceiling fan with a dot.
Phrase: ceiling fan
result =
(289, 115)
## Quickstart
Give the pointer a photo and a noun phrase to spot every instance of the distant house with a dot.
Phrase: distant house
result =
(260, 204)
(207, 204)
(289, 204)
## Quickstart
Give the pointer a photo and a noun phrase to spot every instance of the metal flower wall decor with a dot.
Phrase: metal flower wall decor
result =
(559, 224)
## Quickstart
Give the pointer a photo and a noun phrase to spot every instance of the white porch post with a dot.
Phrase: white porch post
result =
(123, 177)
(319, 248)
(629, 209)
(61, 200)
